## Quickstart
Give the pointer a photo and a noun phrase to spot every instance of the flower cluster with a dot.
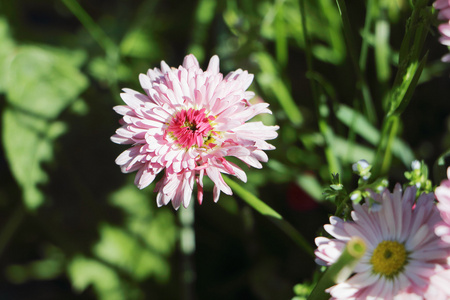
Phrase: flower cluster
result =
(186, 123)
(405, 258)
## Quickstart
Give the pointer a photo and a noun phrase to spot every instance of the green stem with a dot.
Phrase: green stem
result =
(187, 245)
(272, 215)
(325, 130)
(384, 151)
(362, 83)
(11, 226)
(365, 34)
(94, 30)
(341, 269)
(97, 33)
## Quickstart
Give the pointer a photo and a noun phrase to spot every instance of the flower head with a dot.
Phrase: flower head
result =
(185, 124)
(402, 250)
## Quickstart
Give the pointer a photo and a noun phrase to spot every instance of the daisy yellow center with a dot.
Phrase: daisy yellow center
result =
(192, 127)
(388, 258)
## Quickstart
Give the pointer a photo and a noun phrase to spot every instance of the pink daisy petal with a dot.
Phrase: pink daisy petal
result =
(403, 251)
(188, 122)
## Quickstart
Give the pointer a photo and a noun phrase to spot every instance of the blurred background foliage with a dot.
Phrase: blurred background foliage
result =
(73, 227)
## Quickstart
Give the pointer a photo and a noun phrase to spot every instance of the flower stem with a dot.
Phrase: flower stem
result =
(187, 245)
(94, 30)
(325, 130)
(97, 33)
(362, 82)
(341, 269)
(11, 226)
(272, 215)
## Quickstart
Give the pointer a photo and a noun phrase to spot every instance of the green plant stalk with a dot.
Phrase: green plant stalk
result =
(97, 33)
(408, 74)
(362, 83)
(366, 32)
(187, 245)
(333, 162)
(11, 226)
(383, 156)
(94, 30)
(272, 215)
(280, 37)
(341, 269)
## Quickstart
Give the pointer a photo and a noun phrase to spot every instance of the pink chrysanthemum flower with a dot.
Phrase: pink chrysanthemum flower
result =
(186, 123)
(403, 251)
(442, 193)
(444, 14)
(440, 283)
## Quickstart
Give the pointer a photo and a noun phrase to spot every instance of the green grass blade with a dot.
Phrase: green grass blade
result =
(272, 215)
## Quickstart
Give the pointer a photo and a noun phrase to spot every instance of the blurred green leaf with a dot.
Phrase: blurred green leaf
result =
(382, 49)
(6, 52)
(155, 227)
(280, 35)
(252, 200)
(84, 272)
(140, 44)
(133, 252)
(271, 214)
(284, 17)
(28, 143)
(310, 185)
(351, 152)
(271, 82)
(44, 81)
(366, 130)
(124, 250)
(101, 68)
(41, 83)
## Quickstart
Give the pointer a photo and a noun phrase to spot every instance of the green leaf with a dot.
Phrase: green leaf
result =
(271, 214)
(124, 250)
(6, 52)
(41, 83)
(84, 272)
(155, 227)
(366, 130)
(272, 83)
(382, 49)
(402, 94)
(28, 144)
(310, 185)
(138, 43)
(44, 81)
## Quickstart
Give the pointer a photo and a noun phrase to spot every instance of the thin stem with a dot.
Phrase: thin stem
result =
(384, 152)
(341, 269)
(325, 130)
(272, 215)
(97, 33)
(94, 30)
(11, 226)
(362, 83)
(187, 244)
(365, 43)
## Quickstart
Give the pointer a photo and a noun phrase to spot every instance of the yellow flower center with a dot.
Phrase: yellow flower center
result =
(388, 258)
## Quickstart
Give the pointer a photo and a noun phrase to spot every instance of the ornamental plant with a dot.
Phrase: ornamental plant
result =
(351, 98)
